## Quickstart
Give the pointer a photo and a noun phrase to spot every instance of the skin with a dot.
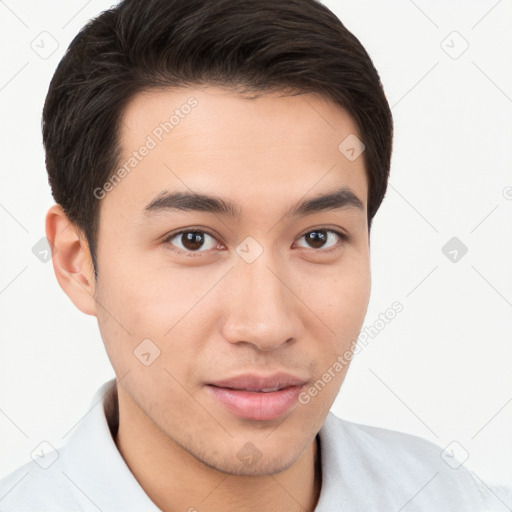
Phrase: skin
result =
(212, 314)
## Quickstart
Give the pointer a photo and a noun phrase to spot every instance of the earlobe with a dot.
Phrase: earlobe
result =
(71, 259)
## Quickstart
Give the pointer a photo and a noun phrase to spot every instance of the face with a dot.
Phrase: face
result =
(215, 283)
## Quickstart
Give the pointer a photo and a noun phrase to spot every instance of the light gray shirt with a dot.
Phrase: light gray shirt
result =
(364, 469)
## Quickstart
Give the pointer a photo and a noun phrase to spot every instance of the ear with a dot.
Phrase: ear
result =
(71, 259)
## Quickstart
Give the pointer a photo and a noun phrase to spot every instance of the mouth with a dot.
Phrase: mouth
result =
(257, 398)
(256, 390)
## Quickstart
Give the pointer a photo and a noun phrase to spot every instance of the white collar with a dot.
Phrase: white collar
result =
(361, 464)
(91, 460)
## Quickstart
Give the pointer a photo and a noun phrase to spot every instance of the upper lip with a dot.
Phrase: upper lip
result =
(258, 382)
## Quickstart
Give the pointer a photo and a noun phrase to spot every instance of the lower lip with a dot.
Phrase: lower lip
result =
(254, 405)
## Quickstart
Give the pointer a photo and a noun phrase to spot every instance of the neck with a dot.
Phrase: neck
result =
(175, 480)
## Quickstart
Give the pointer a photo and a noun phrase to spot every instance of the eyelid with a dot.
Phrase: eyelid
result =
(336, 231)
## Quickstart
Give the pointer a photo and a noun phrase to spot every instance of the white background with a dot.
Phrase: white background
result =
(441, 368)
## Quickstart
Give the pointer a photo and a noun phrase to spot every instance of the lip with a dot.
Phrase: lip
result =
(244, 397)
(259, 382)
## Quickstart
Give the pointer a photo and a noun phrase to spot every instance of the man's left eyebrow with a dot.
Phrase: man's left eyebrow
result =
(342, 198)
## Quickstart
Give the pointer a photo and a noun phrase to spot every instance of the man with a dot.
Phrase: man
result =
(216, 166)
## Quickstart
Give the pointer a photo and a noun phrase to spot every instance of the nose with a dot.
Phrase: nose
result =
(261, 309)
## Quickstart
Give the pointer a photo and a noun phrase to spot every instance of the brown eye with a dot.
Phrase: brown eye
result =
(192, 241)
(316, 239)
(322, 238)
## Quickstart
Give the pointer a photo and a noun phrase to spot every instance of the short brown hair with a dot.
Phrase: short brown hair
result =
(247, 45)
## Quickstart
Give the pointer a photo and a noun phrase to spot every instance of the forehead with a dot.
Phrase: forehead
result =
(213, 140)
(302, 117)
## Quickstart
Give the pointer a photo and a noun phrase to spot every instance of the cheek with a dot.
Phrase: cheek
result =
(151, 298)
(339, 296)
(157, 304)
(341, 304)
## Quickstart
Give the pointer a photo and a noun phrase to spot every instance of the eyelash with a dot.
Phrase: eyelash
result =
(343, 236)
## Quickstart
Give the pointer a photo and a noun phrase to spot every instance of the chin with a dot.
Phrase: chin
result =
(265, 466)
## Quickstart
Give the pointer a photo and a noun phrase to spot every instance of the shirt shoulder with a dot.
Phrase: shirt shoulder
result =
(86, 473)
(377, 466)
(30, 487)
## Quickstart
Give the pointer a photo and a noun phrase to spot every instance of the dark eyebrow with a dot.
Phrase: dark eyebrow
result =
(341, 198)
(191, 201)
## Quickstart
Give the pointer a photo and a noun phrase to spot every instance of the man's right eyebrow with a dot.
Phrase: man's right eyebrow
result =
(192, 201)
